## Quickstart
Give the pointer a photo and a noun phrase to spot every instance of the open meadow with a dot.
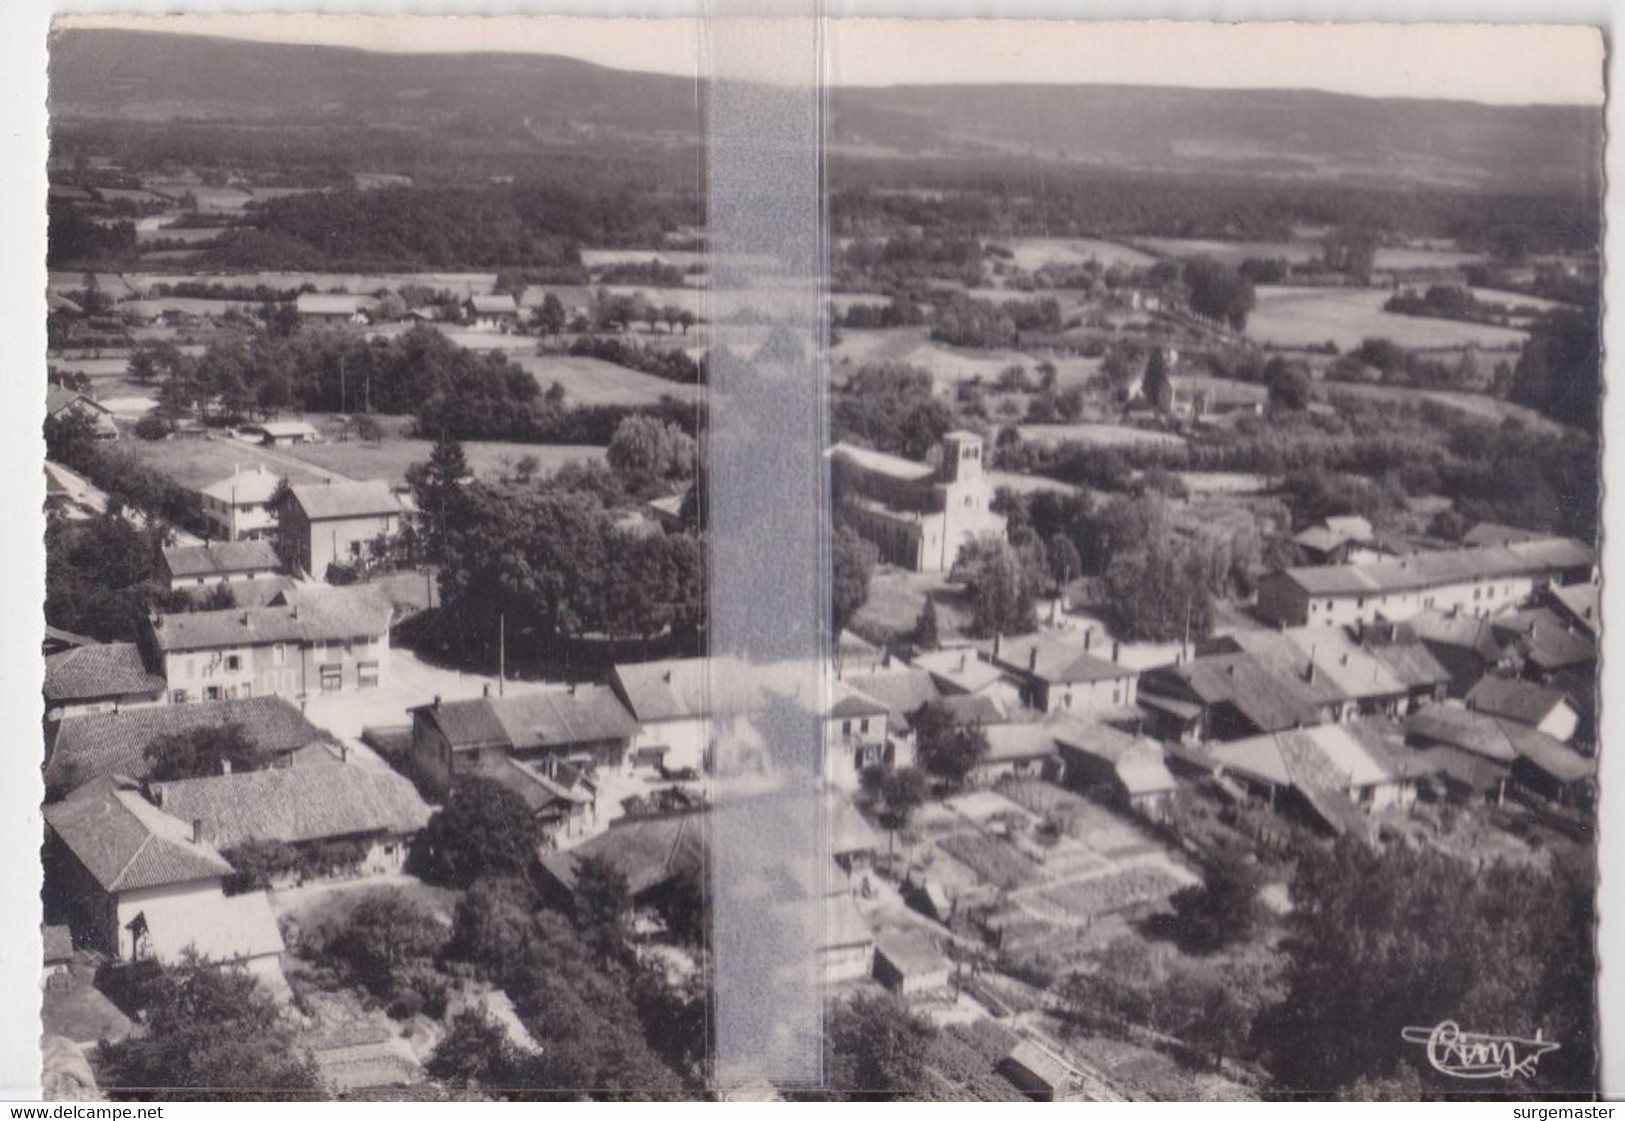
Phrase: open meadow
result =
(1293, 317)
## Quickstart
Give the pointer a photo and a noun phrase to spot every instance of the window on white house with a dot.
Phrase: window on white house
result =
(234, 663)
(846, 727)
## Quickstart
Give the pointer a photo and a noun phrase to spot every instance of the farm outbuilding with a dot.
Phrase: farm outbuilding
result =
(907, 962)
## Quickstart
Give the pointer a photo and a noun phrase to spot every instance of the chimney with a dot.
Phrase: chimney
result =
(1534, 628)
(666, 677)
(1393, 632)
(207, 543)
(197, 830)
(962, 657)
(1088, 638)
(344, 752)
(225, 766)
(885, 658)
(572, 688)
(437, 702)
(1309, 674)
(1117, 649)
(1345, 660)
(997, 642)
(1032, 660)
(486, 688)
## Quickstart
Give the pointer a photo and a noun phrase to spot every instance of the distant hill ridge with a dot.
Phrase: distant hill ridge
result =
(150, 75)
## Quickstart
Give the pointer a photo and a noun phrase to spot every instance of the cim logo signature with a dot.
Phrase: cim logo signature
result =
(1465, 1054)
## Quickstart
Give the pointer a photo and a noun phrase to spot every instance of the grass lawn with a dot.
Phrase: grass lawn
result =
(390, 458)
(592, 381)
(197, 463)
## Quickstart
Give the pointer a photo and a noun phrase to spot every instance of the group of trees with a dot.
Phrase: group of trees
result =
(554, 564)
(969, 321)
(892, 408)
(669, 363)
(1218, 291)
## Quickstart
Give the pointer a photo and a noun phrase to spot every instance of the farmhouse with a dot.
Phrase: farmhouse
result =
(1478, 581)
(214, 563)
(1545, 642)
(1476, 754)
(100, 678)
(494, 312)
(1345, 540)
(671, 701)
(1059, 674)
(323, 524)
(587, 724)
(239, 506)
(80, 749)
(1580, 605)
(61, 403)
(283, 433)
(1018, 750)
(918, 514)
(858, 736)
(1342, 676)
(1323, 773)
(961, 670)
(1535, 706)
(1225, 696)
(308, 641)
(364, 819)
(655, 854)
(1115, 767)
(135, 882)
(334, 307)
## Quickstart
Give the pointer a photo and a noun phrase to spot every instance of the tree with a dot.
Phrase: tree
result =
(1222, 910)
(70, 438)
(202, 751)
(550, 315)
(1155, 386)
(875, 1045)
(382, 934)
(647, 452)
(435, 484)
(601, 901)
(484, 829)
(368, 429)
(945, 748)
(474, 1052)
(1288, 384)
(926, 634)
(1218, 291)
(902, 792)
(1159, 593)
(852, 562)
(212, 1033)
(1002, 594)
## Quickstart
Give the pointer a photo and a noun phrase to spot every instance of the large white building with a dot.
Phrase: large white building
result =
(1476, 581)
(918, 514)
(239, 506)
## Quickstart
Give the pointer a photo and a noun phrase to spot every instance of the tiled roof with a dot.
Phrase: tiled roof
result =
(960, 669)
(312, 616)
(83, 748)
(880, 463)
(1523, 701)
(1266, 700)
(287, 428)
(1497, 741)
(1410, 663)
(846, 702)
(495, 303)
(365, 499)
(902, 689)
(975, 708)
(674, 689)
(1492, 533)
(1059, 661)
(1545, 638)
(1583, 604)
(220, 558)
(1428, 570)
(1343, 669)
(126, 843)
(332, 303)
(910, 952)
(585, 714)
(648, 851)
(1009, 743)
(85, 673)
(1461, 632)
(245, 488)
(295, 804)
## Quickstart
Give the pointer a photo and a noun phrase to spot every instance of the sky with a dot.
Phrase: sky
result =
(1492, 63)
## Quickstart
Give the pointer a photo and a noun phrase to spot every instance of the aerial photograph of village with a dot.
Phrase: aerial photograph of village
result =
(1213, 586)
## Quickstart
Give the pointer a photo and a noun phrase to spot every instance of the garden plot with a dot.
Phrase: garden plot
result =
(1033, 253)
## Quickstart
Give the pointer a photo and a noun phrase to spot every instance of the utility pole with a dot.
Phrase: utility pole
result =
(502, 652)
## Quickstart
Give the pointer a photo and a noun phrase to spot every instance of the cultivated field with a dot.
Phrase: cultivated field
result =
(1033, 253)
(1300, 317)
(1301, 252)
(1104, 435)
(1480, 405)
(682, 259)
(950, 365)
